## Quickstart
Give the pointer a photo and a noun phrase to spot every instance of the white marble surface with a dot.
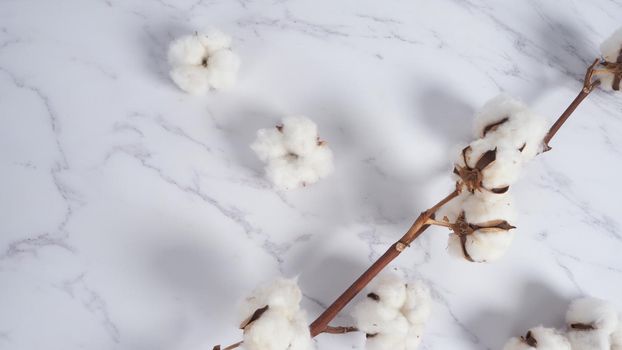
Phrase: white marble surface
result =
(134, 216)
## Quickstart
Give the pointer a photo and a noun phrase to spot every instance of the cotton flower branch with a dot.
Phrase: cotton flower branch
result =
(479, 212)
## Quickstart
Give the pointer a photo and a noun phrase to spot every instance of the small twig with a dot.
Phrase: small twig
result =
(340, 329)
(438, 223)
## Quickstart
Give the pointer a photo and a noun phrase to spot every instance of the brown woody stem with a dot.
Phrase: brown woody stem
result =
(320, 325)
(588, 87)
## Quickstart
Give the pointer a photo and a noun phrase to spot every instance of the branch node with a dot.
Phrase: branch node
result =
(399, 246)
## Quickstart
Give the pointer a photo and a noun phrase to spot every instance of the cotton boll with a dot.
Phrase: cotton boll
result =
(191, 79)
(599, 314)
(610, 48)
(222, 69)
(588, 340)
(215, 40)
(300, 134)
(293, 154)
(187, 50)
(201, 61)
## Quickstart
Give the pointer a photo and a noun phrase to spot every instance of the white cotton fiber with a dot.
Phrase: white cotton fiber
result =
(594, 312)
(186, 50)
(522, 129)
(494, 111)
(588, 340)
(485, 244)
(610, 48)
(191, 79)
(481, 246)
(483, 207)
(281, 316)
(201, 61)
(293, 154)
(391, 290)
(214, 41)
(546, 339)
(281, 292)
(393, 315)
(222, 69)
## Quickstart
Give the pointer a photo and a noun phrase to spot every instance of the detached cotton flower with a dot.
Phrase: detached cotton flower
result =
(201, 61)
(273, 320)
(393, 314)
(294, 154)
(539, 338)
(609, 72)
(481, 225)
(591, 324)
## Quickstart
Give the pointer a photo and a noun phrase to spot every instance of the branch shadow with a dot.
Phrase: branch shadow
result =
(154, 42)
(446, 115)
